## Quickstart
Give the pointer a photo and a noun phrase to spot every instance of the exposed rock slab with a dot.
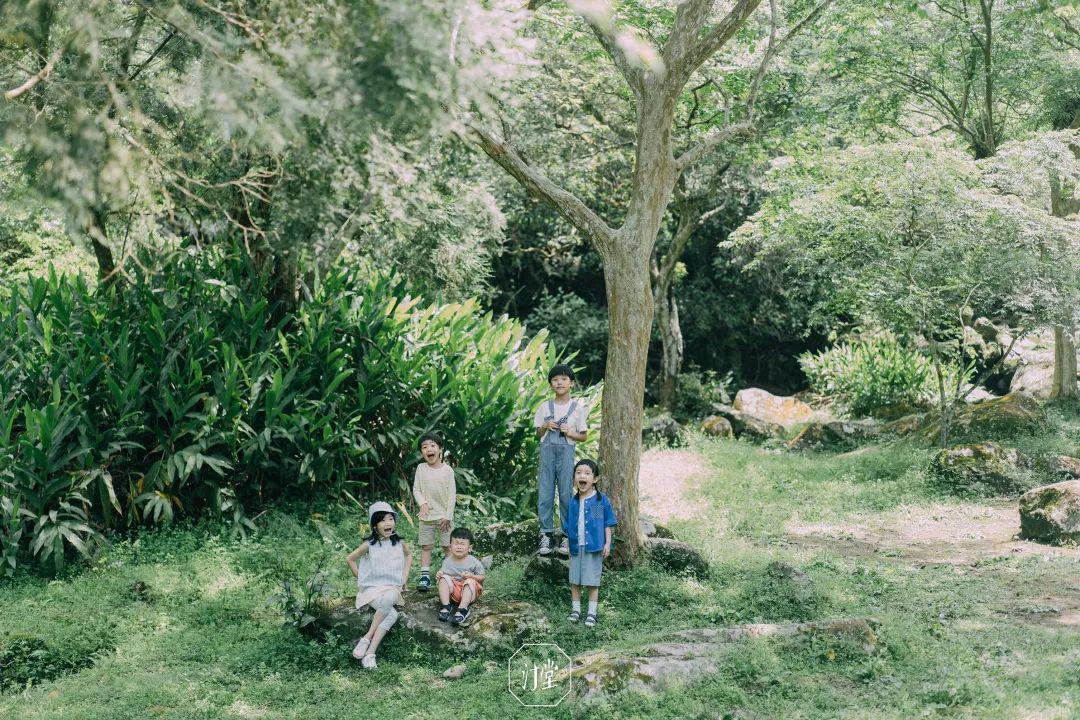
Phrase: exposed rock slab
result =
(981, 470)
(788, 412)
(689, 655)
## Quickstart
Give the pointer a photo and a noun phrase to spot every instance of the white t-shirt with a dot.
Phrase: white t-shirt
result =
(577, 421)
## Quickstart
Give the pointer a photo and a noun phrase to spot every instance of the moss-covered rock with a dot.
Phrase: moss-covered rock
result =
(1009, 415)
(507, 539)
(1051, 513)
(677, 556)
(981, 470)
(1064, 466)
(836, 434)
(493, 622)
(906, 425)
(717, 426)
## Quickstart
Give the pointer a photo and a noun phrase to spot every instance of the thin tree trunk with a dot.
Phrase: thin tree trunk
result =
(671, 347)
(1064, 384)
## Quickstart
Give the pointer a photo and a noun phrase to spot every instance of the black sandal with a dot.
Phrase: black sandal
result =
(574, 616)
(444, 613)
(460, 616)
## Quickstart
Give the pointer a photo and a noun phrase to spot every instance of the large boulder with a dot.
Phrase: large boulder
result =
(747, 426)
(906, 425)
(1051, 513)
(1014, 413)
(981, 470)
(662, 431)
(692, 654)
(717, 426)
(788, 412)
(493, 623)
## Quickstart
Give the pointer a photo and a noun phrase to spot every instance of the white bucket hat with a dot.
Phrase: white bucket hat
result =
(380, 507)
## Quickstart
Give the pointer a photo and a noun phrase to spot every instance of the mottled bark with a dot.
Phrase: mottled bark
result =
(1063, 204)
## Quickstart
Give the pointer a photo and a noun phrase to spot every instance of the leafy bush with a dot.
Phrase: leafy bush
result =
(697, 391)
(185, 391)
(869, 374)
(299, 601)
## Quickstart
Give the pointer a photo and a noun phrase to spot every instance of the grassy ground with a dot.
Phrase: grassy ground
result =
(175, 624)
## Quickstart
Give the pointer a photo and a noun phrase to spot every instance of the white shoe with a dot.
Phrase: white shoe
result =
(545, 544)
(361, 648)
(564, 546)
(368, 662)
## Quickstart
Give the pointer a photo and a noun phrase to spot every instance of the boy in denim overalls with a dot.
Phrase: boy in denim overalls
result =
(560, 423)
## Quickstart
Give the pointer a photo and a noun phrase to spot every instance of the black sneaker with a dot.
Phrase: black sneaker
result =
(444, 613)
(574, 616)
(545, 544)
(424, 583)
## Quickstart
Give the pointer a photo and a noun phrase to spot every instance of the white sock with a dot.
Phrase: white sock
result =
(575, 605)
(592, 607)
(426, 570)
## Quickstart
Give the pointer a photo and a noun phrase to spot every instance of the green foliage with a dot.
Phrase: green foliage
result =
(187, 392)
(573, 324)
(697, 391)
(299, 601)
(868, 374)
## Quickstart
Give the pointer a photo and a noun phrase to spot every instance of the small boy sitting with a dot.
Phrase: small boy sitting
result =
(461, 579)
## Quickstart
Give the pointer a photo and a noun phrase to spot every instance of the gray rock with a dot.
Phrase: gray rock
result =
(986, 329)
(688, 655)
(553, 568)
(492, 623)
(653, 529)
(1065, 466)
(677, 556)
(454, 673)
(1051, 513)
(662, 431)
(981, 470)
(747, 426)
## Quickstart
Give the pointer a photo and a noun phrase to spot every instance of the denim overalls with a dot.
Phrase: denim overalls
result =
(556, 468)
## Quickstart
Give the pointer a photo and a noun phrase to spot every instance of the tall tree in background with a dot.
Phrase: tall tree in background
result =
(697, 30)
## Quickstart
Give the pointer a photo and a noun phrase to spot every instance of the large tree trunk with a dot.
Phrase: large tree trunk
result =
(630, 311)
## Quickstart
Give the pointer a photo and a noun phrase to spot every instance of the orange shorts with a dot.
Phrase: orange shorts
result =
(458, 584)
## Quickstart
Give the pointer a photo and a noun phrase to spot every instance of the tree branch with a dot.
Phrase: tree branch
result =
(691, 156)
(537, 184)
(699, 49)
(37, 77)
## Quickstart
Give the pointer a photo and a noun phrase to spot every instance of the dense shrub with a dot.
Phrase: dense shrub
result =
(183, 390)
(868, 375)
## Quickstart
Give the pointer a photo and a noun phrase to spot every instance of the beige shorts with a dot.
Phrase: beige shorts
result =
(429, 530)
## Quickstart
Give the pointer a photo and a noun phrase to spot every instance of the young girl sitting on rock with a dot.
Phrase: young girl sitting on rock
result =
(381, 566)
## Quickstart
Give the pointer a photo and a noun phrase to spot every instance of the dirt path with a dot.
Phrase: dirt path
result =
(665, 481)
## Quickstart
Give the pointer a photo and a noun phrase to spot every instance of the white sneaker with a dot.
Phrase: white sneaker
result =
(545, 544)
(368, 662)
(360, 650)
(564, 546)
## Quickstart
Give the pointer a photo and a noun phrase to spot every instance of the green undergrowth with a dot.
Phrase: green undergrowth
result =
(175, 623)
